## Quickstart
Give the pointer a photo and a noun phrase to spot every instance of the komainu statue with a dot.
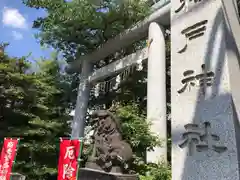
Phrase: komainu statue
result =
(110, 152)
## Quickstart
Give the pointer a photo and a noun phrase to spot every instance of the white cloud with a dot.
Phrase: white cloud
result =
(13, 18)
(17, 35)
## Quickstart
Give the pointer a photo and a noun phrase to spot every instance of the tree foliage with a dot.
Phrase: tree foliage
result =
(157, 172)
(31, 108)
(78, 27)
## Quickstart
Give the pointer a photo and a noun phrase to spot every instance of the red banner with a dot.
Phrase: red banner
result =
(70, 151)
(8, 154)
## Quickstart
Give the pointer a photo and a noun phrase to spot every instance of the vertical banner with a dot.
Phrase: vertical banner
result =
(8, 154)
(70, 150)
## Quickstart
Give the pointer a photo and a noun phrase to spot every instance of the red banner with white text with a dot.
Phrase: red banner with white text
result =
(70, 150)
(8, 154)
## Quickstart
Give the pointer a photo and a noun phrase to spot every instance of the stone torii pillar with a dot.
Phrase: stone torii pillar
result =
(78, 124)
(156, 91)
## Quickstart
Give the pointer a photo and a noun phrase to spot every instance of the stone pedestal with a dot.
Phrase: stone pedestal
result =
(17, 176)
(90, 174)
(205, 126)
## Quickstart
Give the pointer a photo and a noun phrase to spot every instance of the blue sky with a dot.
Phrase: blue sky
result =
(16, 28)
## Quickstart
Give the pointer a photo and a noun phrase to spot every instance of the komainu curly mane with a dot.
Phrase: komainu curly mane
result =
(110, 152)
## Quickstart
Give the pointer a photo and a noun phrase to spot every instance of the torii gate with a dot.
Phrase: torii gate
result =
(156, 86)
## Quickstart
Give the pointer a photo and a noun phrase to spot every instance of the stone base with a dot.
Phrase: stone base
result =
(91, 174)
(17, 176)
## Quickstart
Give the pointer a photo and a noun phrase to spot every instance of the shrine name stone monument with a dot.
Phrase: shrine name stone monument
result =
(110, 153)
(205, 126)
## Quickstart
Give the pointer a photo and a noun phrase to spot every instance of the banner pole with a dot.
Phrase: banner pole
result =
(79, 156)
(18, 139)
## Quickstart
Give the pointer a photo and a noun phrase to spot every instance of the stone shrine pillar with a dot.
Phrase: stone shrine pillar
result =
(78, 124)
(204, 136)
(156, 91)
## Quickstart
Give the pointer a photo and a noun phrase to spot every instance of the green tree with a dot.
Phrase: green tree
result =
(78, 27)
(157, 172)
(31, 108)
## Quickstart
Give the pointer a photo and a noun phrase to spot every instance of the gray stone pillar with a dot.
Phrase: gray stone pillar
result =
(78, 124)
(156, 91)
(204, 128)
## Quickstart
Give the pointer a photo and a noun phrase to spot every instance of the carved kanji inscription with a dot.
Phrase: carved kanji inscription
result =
(199, 139)
(190, 79)
(193, 32)
(184, 4)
